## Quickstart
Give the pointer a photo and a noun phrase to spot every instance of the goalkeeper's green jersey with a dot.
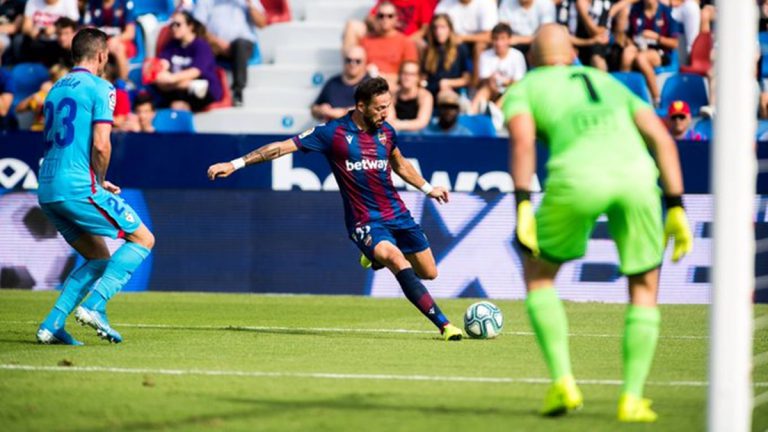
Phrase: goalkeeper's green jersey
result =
(585, 117)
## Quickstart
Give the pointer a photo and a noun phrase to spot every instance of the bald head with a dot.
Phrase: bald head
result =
(552, 46)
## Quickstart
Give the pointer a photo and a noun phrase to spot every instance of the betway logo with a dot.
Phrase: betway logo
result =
(285, 177)
(367, 164)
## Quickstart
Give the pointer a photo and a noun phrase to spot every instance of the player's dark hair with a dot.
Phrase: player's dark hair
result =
(65, 22)
(371, 88)
(501, 28)
(87, 43)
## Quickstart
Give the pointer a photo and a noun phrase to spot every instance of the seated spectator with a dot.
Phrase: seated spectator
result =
(708, 15)
(500, 67)
(188, 79)
(591, 35)
(65, 32)
(447, 121)
(338, 94)
(7, 119)
(231, 32)
(412, 107)
(679, 122)
(472, 23)
(446, 63)
(387, 49)
(34, 103)
(688, 14)
(11, 17)
(652, 35)
(413, 18)
(117, 20)
(525, 17)
(143, 115)
(40, 44)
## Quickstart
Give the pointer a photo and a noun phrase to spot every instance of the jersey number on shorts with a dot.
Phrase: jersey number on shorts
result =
(593, 96)
(119, 209)
(65, 112)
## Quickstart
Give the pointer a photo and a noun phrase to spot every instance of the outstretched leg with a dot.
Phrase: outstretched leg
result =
(391, 257)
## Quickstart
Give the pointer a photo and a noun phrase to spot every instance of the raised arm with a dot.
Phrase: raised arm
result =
(262, 154)
(407, 172)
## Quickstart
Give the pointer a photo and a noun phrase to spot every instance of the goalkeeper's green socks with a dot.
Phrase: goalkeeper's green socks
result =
(641, 333)
(550, 324)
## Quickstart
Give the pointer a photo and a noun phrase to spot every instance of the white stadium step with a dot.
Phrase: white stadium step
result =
(309, 56)
(292, 98)
(254, 120)
(336, 11)
(280, 35)
(299, 7)
(290, 76)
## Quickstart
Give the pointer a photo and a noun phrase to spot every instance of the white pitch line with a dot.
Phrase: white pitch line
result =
(342, 330)
(336, 376)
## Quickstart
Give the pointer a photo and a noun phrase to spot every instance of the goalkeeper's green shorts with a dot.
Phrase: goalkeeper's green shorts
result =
(568, 213)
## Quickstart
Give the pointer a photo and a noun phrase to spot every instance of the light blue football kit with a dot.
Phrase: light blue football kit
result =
(74, 201)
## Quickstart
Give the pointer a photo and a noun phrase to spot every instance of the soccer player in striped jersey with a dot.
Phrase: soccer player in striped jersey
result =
(362, 151)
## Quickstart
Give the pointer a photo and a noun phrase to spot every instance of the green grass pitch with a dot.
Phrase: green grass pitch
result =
(222, 362)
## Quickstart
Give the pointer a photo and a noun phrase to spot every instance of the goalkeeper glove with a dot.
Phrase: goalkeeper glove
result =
(525, 232)
(676, 226)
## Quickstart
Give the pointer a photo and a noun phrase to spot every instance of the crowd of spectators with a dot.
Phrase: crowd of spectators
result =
(444, 59)
(476, 49)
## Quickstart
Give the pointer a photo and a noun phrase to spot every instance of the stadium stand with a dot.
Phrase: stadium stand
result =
(688, 87)
(635, 82)
(169, 120)
(277, 11)
(162, 9)
(479, 125)
(27, 78)
(701, 55)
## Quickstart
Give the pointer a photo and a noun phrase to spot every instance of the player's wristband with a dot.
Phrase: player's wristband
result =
(427, 188)
(522, 195)
(673, 201)
(238, 163)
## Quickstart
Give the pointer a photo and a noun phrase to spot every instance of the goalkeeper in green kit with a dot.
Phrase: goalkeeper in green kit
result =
(599, 135)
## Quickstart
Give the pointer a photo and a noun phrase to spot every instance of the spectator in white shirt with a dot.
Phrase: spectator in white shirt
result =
(500, 67)
(39, 27)
(525, 17)
(687, 13)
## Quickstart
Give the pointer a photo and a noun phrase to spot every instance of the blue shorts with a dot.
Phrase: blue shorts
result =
(403, 232)
(103, 214)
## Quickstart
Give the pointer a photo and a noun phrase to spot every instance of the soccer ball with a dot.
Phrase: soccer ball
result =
(483, 320)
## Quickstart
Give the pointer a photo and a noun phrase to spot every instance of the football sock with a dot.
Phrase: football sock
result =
(550, 325)
(118, 272)
(417, 293)
(641, 332)
(76, 286)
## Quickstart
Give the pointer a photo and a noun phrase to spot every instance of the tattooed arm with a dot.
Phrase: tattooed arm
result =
(261, 154)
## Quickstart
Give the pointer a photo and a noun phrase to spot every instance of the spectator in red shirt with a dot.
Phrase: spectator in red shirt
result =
(413, 18)
(388, 48)
(679, 122)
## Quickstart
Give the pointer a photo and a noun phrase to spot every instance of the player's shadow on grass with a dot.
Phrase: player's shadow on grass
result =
(333, 334)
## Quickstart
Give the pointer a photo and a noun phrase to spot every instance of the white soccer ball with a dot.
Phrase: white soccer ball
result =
(483, 320)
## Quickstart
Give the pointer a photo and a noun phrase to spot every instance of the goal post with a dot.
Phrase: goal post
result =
(733, 186)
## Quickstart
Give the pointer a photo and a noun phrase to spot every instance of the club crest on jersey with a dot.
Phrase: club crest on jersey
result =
(382, 138)
(112, 100)
(349, 138)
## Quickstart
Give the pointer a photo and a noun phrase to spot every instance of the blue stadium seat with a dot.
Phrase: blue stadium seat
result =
(27, 78)
(704, 127)
(480, 125)
(673, 66)
(163, 9)
(169, 120)
(688, 87)
(762, 129)
(635, 82)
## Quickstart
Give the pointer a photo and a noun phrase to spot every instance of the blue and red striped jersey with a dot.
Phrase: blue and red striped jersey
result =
(360, 163)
